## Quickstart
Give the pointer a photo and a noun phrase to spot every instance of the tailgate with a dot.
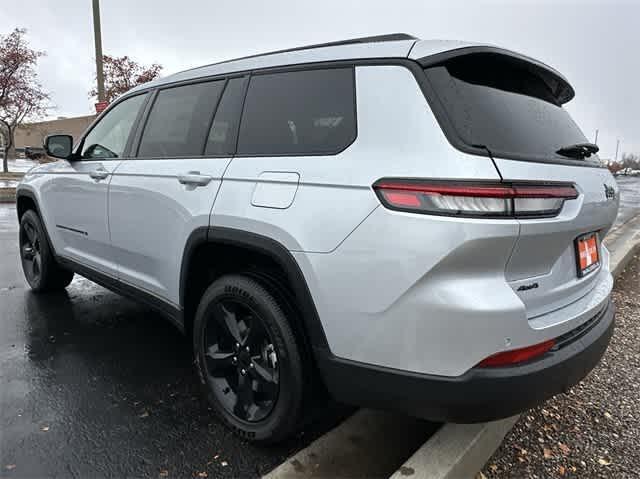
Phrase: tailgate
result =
(545, 252)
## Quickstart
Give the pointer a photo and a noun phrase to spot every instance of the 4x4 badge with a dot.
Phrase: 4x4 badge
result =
(609, 192)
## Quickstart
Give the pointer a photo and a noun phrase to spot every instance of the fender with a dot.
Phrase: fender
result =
(24, 192)
(27, 193)
(277, 252)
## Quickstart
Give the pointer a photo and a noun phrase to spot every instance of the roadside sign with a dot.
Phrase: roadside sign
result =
(101, 106)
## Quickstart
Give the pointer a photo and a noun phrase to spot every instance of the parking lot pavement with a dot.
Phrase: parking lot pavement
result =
(629, 198)
(593, 430)
(93, 385)
(21, 164)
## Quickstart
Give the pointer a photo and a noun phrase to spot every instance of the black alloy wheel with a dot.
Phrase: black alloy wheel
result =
(241, 361)
(30, 252)
(248, 359)
(39, 265)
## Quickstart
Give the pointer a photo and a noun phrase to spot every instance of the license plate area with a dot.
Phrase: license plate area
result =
(587, 253)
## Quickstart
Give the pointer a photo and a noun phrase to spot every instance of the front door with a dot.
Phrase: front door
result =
(74, 198)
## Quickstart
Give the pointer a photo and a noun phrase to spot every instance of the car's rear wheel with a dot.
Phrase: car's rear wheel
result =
(40, 268)
(248, 359)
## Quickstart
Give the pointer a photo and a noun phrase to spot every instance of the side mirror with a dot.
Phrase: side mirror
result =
(59, 146)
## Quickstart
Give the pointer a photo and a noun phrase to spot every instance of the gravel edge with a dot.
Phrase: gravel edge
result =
(593, 431)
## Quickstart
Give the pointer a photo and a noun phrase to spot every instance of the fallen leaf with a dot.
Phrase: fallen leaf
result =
(203, 474)
(144, 414)
(224, 463)
(10, 467)
(163, 473)
(216, 456)
(604, 461)
(493, 468)
(607, 415)
(564, 448)
(561, 470)
(45, 428)
(547, 453)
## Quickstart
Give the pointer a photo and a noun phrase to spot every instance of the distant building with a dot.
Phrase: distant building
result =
(33, 134)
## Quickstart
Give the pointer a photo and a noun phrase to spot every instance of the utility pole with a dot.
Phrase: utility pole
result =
(617, 148)
(97, 34)
(596, 140)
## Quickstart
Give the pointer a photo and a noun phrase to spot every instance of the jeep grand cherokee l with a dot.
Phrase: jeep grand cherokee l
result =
(407, 224)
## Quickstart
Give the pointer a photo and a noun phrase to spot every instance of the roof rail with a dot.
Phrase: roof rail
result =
(390, 37)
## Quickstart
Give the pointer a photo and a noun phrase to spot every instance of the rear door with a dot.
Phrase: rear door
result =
(166, 191)
(292, 161)
(513, 109)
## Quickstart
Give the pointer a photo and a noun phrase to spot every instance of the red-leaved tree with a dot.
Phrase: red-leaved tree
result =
(21, 95)
(121, 74)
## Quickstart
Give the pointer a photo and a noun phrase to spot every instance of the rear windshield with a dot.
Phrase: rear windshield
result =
(495, 102)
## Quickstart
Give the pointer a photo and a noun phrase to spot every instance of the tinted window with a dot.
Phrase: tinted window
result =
(504, 105)
(179, 120)
(222, 137)
(108, 138)
(300, 112)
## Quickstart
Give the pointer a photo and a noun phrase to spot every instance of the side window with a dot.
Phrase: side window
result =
(222, 137)
(108, 138)
(179, 120)
(303, 112)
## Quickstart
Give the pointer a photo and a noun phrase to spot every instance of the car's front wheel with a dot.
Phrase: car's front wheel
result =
(40, 268)
(248, 359)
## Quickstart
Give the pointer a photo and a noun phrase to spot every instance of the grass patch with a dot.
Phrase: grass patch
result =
(12, 175)
(7, 195)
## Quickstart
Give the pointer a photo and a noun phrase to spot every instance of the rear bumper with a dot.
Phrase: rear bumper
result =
(481, 394)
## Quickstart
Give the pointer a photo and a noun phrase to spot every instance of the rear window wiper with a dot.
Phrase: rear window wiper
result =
(579, 150)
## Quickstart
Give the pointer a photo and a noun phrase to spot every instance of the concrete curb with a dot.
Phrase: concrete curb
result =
(367, 444)
(456, 450)
(459, 451)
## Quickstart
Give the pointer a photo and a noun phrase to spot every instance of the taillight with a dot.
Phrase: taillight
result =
(480, 199)
(516, 356)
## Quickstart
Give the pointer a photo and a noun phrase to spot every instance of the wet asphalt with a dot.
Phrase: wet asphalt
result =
(94, 385)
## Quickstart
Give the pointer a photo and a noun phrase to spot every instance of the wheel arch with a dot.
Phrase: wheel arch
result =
(218, 240)
(25, 200)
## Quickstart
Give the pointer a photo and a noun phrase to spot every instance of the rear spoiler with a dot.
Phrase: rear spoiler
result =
(557, 83)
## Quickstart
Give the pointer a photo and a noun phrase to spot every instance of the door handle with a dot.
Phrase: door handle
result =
(194, 178)
(99, 174)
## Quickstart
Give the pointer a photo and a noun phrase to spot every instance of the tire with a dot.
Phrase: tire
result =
(39, 266)
(258, 392)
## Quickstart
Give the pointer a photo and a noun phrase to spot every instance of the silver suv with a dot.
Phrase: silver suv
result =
(405, 224)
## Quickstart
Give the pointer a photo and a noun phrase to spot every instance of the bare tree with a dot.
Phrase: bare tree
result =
(121, 74)
(614, 167)
(631, 161)
(21, 95)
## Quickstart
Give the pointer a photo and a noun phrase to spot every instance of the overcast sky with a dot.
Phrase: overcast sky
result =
(595, 44)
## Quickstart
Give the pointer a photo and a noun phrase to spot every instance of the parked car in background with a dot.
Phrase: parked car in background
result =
(34, 153)
(413, 225)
